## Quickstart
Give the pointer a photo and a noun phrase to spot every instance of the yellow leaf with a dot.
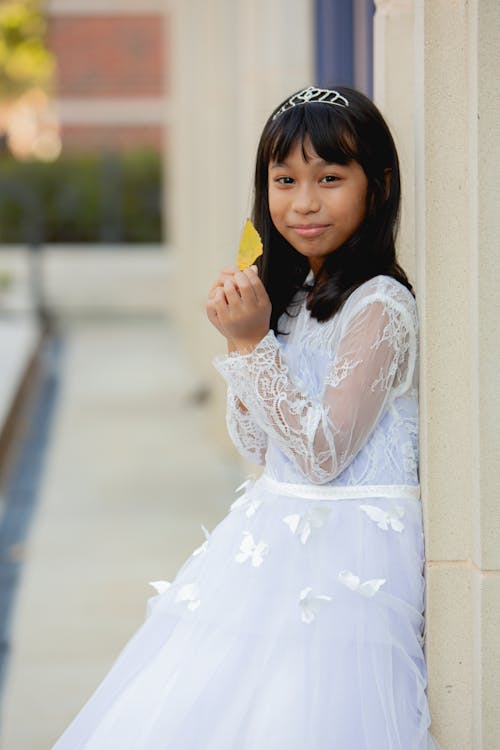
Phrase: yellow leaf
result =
(250, 246)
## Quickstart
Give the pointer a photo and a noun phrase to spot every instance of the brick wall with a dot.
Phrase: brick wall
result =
(108, 56)
(117, 58)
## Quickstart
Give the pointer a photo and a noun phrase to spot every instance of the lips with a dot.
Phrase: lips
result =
(309, 230)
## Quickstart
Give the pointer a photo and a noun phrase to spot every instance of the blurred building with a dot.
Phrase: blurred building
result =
(111, 74)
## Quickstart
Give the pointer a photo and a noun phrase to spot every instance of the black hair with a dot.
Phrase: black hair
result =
(338, 135)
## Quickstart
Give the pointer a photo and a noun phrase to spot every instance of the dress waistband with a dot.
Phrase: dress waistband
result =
(348, 492)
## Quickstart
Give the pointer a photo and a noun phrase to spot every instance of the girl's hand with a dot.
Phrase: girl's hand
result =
(225, 274)
(240, 308)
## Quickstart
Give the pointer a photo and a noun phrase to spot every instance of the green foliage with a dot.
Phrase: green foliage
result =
(114, 198)
(25, 61)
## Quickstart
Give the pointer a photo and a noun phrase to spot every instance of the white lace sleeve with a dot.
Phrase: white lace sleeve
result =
(374, 361)
(248, 438)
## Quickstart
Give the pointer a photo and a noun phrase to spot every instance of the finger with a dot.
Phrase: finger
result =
(220, 300)
(245, 287)
(220, 297)
(212, 314)
(211, 311)
(220, 281)
(219, 285)
(212, 290)
(257, 285)
(231, 292)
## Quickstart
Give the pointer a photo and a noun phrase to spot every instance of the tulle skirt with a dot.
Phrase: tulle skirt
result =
(296, 625)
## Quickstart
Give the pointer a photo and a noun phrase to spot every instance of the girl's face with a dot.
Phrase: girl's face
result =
(314, 204)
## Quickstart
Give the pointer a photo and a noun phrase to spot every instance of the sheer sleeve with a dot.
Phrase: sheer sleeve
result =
(248, 438)
(373, 361)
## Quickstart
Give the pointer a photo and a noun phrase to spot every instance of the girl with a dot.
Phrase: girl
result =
(298, 624)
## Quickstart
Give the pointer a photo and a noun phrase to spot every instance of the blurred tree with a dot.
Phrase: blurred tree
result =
(25, 61)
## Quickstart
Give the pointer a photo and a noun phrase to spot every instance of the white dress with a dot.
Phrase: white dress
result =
(298, 624)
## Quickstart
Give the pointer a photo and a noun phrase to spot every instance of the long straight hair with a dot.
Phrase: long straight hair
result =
(338, 135)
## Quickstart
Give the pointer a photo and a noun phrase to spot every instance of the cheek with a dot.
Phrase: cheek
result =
(275, 207)
(359, 207)
(361, 210)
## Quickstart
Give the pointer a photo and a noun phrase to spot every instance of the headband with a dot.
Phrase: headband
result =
(311, 95)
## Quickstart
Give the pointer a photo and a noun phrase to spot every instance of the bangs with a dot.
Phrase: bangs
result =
(322, 124)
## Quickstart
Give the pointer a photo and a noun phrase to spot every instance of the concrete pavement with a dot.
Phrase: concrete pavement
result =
(130, 476)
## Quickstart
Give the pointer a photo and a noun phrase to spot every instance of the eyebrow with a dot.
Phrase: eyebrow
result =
(319, 161)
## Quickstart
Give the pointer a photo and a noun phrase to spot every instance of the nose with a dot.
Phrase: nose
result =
(306, 199)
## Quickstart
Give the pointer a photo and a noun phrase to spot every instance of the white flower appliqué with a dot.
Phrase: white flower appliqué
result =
(353, 582)
(302, 524)
(249, 550)
(189, 593)
(203, 548)
(310, 604)
(385, 518)
(160, 586)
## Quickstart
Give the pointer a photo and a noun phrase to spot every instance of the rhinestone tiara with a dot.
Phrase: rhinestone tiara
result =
(312, 94)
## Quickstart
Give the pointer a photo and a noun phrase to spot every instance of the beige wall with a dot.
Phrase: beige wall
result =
(442, 99)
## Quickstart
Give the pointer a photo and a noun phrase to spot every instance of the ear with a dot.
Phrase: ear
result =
(387, 175)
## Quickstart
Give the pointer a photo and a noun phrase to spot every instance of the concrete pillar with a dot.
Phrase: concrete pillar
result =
(394, 94)
(442, 104)
(457, 139)
(231, 63)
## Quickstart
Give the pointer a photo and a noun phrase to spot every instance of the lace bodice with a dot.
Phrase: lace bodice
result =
(332, 402)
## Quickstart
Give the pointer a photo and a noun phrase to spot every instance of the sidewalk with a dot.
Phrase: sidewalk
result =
(130, 476)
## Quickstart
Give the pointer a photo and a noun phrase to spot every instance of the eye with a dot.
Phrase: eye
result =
(330, 178)
(284, 180)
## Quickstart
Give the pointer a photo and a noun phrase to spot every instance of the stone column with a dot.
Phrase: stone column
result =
(484, 119)
(443, 107)
(394, 94)
(457, 247)
(231, 63)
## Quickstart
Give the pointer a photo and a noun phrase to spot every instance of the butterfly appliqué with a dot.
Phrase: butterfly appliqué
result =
(160, 586)
(202, 548)
(249, 550)
(302, 524)
(244, 501)
(189, 593)
(385, 518)
(367, 588)
(310, 604)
